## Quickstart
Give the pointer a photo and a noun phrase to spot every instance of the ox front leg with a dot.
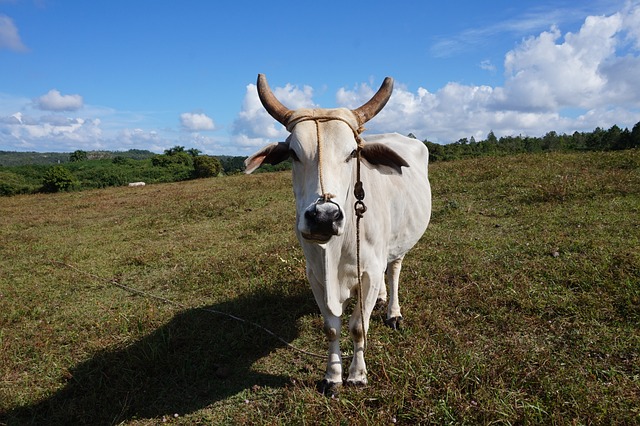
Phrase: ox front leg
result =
(358, 368)
(333, 376)
(394, 317)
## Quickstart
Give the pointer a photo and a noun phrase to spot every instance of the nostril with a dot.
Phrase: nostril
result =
(310, 214)
(321, 214)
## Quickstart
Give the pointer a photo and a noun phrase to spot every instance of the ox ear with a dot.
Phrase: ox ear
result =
(272, 154)
(383, 158)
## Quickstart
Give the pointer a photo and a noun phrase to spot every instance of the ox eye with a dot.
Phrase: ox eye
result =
(353, 154)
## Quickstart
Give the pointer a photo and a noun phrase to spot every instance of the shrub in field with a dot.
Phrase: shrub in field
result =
(58, 178)
(206, 166)
(98, 173)
(78, 155)
(13, 184)
(112, 179)
(232, 165)
(119, 159)
(166, 160)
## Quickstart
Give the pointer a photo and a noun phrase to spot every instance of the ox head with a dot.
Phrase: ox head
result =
(324, 145)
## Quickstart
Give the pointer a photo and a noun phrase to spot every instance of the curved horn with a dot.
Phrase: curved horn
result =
(369, 110)
(273, 106)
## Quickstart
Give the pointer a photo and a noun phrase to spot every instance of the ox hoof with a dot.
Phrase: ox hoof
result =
(357, 383)
(394, 322)
(328, 388)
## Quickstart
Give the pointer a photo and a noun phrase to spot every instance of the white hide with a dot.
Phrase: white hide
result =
(398, 212)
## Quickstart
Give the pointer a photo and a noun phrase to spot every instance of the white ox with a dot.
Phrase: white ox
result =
(325, 146)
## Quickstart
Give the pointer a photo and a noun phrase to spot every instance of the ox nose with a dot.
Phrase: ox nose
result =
(323, 217)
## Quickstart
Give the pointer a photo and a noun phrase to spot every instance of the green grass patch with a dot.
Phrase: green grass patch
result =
(521, 303)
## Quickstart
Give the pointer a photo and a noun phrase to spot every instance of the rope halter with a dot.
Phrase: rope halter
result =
(293, 121)
(358, 191)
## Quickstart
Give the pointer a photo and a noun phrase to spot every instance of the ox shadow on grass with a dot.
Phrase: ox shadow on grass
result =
(194, 360)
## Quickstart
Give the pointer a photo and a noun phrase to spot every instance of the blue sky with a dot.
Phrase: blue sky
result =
(149, 74)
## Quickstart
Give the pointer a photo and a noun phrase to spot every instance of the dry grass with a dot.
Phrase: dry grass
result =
(522, 303)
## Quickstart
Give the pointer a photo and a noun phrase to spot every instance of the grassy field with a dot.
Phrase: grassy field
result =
(521, 303)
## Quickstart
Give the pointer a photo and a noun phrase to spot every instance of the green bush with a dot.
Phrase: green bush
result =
(58, 178)
(112, 178)
(231, 165)
(78, 155)
(13, 184)
(176, 173)
(167, 160)
(119, 159)
(205, 166)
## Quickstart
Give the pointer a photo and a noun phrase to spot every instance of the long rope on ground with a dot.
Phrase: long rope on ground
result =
(144, 294)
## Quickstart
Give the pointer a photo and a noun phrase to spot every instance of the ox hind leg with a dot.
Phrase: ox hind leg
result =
(394, 317)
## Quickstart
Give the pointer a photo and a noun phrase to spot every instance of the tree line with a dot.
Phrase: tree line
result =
(88, 170)
(614, 138)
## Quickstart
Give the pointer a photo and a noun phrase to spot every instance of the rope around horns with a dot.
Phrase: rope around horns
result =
(322, 119)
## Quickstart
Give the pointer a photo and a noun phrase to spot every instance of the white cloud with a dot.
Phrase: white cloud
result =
(138, 137)
(194, 122)
(254, 127)
(452, 112)
(631, 24)
(547, 72)
(520, 25)
(553, 81)
(55, 101)
(354, 98)
(9, 37)
(21, 130)
(487, 66)
(588, 69)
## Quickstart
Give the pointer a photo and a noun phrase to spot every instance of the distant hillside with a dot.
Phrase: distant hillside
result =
(10, 158)
(13, 158)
